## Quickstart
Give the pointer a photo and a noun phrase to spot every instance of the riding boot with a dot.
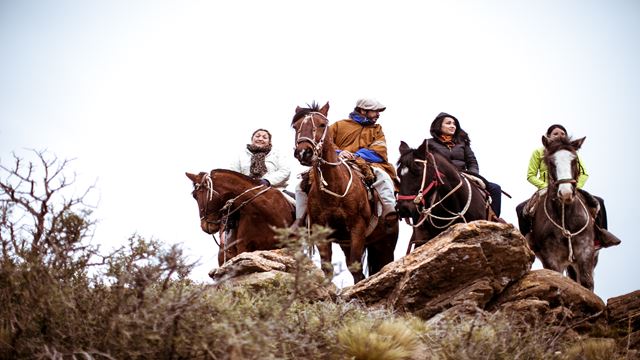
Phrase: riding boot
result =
(606, 238)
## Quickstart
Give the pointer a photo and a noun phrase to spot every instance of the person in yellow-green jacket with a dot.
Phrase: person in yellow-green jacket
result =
(537, 176)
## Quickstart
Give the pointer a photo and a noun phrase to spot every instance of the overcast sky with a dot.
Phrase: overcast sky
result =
(139, 92)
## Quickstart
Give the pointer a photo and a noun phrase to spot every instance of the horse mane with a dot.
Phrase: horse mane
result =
(314, 107)
(235, 173)
(559, 144)
(407, 158)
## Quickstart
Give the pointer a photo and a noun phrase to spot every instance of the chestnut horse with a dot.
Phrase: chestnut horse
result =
(338, 197)
(434, 194)
(241, 209)
(563, 230)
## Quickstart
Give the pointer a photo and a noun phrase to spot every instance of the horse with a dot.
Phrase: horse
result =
(244, 211)
(435, 195)
(563, 229)
(338, 198)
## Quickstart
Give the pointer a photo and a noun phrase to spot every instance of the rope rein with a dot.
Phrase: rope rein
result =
(317, 150)
(566, 233)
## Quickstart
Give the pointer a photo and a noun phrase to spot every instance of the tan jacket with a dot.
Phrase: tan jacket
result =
(351, 136)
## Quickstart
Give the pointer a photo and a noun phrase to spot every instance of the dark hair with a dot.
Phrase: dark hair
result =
(556, 126)
(265, 130)
(458, 136)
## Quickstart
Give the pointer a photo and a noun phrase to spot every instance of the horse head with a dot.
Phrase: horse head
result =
(415, 181)
(209, 202)
(560, 156)
(311, 125)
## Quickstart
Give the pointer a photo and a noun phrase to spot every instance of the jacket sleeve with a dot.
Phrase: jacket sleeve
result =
(379, 145)
(280, 175)
(582, 178)
(534, 169)
(470, 161)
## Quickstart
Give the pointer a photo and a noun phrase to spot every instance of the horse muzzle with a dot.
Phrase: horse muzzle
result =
(304, 156)
(566, 193)
(407, 210)
(209, 227)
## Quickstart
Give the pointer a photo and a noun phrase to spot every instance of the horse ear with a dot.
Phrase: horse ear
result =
(325, 109)
(404, 148)
(423, 147)
(192, 177)
(298, 109)
(545, 141)
(578, 142)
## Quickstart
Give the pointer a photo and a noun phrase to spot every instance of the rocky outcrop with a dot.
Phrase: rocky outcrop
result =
(623, 316)
(553, 298)
(470, 269)
(261, 269)
(467, 263)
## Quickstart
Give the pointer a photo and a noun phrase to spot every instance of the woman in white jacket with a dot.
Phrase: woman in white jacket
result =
(259, 161)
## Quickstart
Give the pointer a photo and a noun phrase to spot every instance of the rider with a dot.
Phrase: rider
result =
(537, 174)
(361, 137)
(453, 143)
(260, 161)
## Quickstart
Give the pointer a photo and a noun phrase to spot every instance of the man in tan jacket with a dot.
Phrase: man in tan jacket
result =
(360, 136)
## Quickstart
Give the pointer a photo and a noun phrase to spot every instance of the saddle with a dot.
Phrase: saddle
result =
(479, 182)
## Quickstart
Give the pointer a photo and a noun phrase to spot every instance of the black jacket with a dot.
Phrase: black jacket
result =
(460, 155)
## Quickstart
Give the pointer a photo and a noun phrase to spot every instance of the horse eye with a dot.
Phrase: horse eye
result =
(322, 125)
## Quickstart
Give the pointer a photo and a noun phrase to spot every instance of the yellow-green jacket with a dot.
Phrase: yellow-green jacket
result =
(537, 171)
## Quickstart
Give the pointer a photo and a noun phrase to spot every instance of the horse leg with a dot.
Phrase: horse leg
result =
(552, 259)
(325, 259)
(356, 250)
(380, 252)
(583, 267)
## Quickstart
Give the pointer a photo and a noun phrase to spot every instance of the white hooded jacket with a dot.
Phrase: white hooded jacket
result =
(278, 171)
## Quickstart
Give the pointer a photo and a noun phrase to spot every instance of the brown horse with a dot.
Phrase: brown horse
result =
(435, 195)
(338, 197)
(563, 232)
(241, 209)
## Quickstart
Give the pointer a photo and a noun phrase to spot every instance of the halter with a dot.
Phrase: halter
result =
(425, 213)
(565, 232)
(317, 146)
(317, 157)
(207, 183)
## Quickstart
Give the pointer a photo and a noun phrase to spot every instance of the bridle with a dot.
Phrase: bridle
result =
(225, 212)
(418, 199)
(317, 159)
(565, 232)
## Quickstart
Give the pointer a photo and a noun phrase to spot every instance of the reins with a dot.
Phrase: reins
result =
(417, 199)
(566, 233)
(317, 154)
(207, 183)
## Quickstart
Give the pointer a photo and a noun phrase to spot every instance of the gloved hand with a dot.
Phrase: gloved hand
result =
(265, 182)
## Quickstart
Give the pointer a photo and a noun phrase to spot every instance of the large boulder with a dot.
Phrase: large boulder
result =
(467, 264)
(554, 298)
(623, 315)
(261, 269)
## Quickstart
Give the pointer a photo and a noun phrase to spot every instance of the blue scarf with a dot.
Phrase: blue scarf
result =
(362, 120)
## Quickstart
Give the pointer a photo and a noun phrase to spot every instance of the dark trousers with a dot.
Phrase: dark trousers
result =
(495, 191)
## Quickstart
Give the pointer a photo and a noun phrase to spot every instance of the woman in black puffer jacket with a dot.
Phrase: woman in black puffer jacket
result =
(450, 140)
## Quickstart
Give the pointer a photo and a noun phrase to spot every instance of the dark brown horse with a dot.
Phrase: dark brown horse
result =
(241, 209)
(563, 230)
(338, 197)
(434, 194)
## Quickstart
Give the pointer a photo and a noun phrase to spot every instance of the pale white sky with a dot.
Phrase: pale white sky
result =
(140, 92)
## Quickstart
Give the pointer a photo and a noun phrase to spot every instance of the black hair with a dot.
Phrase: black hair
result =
(458, 136)
(556, 126)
